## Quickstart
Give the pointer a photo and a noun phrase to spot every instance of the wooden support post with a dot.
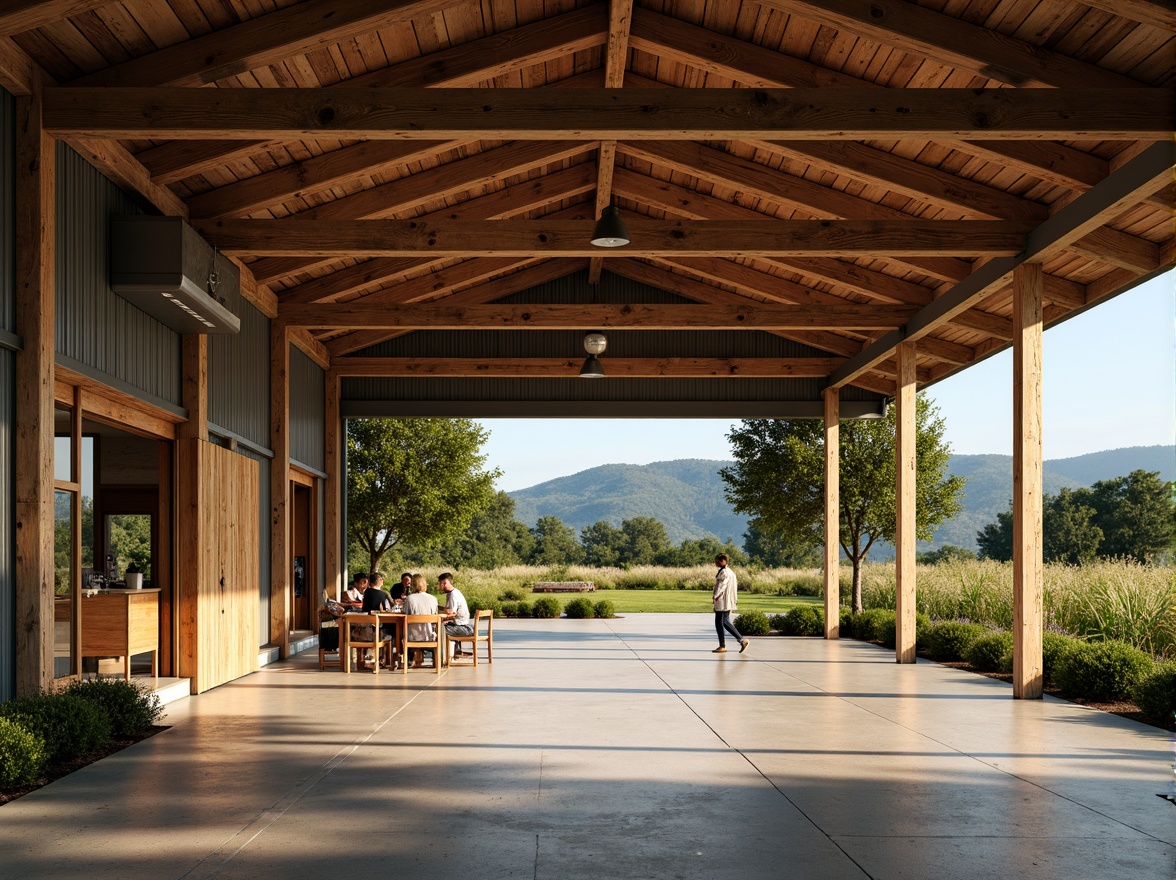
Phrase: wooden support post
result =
(192, 535)
(832, 513)
(280, 561)
(904, 472)
(1028, 287)
(33, 477)
(333, 525)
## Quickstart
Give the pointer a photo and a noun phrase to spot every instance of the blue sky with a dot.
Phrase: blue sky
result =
(1110, 381)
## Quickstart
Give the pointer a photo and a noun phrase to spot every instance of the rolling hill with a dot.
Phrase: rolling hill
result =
(687, 495)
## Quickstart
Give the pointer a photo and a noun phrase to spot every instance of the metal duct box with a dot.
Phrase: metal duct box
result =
(162, 266)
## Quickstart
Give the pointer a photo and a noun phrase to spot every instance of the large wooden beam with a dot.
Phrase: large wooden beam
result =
(333, 451)
(753, 316)
(612, 114)
(1154, 13)
(832, 524)
(1028, 671)
(281, 561)
(33, 410)
(661, 367)
(570, 238)
(905, 495)
(1126, 186)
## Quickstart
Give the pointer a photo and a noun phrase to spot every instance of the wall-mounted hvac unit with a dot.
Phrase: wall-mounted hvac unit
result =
(162, 266)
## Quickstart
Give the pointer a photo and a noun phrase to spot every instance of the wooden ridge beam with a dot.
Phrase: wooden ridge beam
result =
(1120, 249)
(1154, 13)
(630, 368)
(953, 42)
(569, 238)
(611, 114)
(633, 316)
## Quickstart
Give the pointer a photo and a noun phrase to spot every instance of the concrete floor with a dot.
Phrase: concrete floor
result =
(623, 748)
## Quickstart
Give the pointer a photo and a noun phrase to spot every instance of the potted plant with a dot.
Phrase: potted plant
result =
(134, 577)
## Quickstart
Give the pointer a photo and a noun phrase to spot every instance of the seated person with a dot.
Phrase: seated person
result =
(420, 602)
(353, 595)
(377, 599)
(457, 612)
(398, 593)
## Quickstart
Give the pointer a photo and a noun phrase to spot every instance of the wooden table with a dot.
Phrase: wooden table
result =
(397, 619)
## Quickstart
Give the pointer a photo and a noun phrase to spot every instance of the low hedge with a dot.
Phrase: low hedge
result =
(1155, 695)
(578, 608)
(130, 708)
(949, 639)
(546, 608)
(22, 754)
(70, 726)
(604, 609)
(752, 623)
(1053, 646)
(804, 620)
(865, 625)
(886, 628)
(1101, 671)
(992, 652)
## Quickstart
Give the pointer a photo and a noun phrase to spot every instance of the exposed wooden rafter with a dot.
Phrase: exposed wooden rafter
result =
(632, 368)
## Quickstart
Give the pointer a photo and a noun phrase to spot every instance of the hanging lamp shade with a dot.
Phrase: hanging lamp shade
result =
(594, 343)
(592, 368)
(610, 230)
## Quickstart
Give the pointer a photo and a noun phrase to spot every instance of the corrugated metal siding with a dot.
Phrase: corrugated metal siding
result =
(95, 326)
(7, 395)
(307, 393)
(239, 378)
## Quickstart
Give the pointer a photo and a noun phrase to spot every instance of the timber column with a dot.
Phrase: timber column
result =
(1028, 672)
(280, 562)
(192, 531)
(832, 513)
(36, 169)
(905, 473)
(333, 515)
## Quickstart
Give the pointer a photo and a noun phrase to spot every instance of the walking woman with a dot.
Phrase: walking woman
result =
(724, 598)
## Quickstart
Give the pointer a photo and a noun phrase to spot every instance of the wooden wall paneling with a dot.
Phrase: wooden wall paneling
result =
(280, 562)
(162, 571)
(1027, 482)
(33, 470)
(832, 513)
(191, 526)
(905, 472)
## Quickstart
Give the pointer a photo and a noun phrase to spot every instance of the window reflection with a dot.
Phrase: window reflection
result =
(63, 583)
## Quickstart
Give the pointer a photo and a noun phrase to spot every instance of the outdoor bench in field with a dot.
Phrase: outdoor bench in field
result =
(563, 587)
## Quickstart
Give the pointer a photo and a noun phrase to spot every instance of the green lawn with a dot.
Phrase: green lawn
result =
(684, 601)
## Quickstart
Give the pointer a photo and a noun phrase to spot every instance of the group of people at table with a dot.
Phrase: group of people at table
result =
(411, 596)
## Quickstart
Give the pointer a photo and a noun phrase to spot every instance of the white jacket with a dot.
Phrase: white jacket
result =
(726, 587)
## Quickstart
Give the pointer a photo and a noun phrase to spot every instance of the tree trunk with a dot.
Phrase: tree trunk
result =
(857, 583)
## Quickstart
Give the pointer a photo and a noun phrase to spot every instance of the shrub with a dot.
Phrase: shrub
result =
(69, 725)
(546, 608)
(523, 609)
(513, 594)
(752, 623)
(482, 603)
(949, 639)
(804, 620)
(510, 609)
(130, 708)
(886, 628)
(1155, 694)
(987, 653)
(22, 754)
(1101, 671)
(604, 609)
(1053, 645)
(846, 622)
(578, 608)
(777, 622)
(865, 625)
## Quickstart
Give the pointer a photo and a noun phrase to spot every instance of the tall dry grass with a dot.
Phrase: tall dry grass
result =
(1103, 600)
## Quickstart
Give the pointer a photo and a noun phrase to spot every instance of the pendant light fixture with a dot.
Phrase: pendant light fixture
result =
(594, 343)
(610, 230)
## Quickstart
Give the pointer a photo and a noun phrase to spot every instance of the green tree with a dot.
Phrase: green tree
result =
(1136, 515)
(645, 538)
(701, 551)
(494, 538)
(769, 549)
(603, 544)
(555, 543)
(417, 481)
(1068, 531)
(996, 539)
(946, 553)
(779, 476)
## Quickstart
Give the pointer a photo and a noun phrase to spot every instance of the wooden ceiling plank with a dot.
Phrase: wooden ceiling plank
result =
(311, 175)
(410, 193)
(631, 368)
(1144, 175)
(1154, 13)
(611, 114)
(632, 316)
(569, 238)
(262, 41)
(755, 66)
(18, 16)
(466, 64)
(953, 42)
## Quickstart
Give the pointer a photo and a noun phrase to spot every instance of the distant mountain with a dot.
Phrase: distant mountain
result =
(687, 495)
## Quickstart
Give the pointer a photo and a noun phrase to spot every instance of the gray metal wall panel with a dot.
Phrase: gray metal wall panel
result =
(239, 378)
(95, 326)
(7, 212)
(307, 401)
(321, 532)
(7, 529)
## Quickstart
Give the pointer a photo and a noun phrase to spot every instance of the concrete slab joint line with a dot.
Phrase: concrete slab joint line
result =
(615, 749)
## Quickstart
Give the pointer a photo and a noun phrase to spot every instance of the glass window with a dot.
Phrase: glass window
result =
(63, 583)
(63, 445)
(128, 537)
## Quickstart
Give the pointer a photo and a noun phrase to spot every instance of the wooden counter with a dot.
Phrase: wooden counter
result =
(122, 623)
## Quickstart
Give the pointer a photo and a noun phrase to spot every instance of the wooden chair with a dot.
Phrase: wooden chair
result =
(353, 621)
(479, 636)
(328, 643)
(411, 644)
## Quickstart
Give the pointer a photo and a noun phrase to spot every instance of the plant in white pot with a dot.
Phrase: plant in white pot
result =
(134, 577)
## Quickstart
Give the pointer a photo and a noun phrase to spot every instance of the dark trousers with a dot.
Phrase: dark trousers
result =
(723, 622)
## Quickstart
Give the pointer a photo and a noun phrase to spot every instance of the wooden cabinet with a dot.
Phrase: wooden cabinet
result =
(122, 623)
